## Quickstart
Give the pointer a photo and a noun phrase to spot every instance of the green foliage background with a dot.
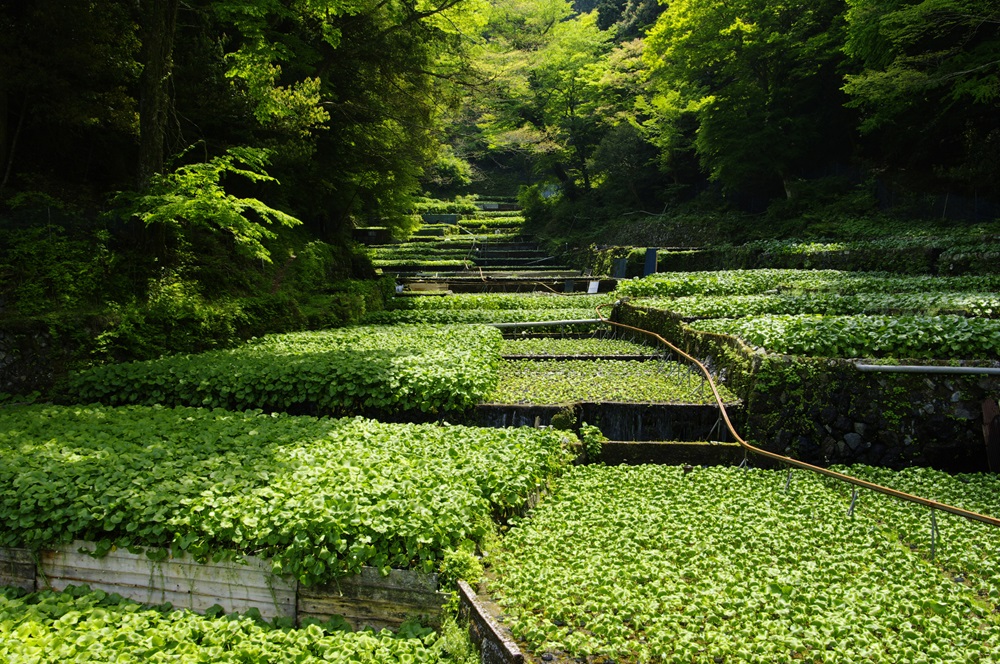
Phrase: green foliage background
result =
(188, 209)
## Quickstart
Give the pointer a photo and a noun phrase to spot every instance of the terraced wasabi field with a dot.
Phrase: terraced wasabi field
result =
(491, 308)
(547, 381)
(579, 347)
(406, 369)
(318, 497)
(469, 244)
(660, 564)
(831, 313)
(589, 563)
(80, 626)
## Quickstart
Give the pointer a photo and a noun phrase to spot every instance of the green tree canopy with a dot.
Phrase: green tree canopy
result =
(348, 97)
(928, 87)
(544, 100)
(761, 81)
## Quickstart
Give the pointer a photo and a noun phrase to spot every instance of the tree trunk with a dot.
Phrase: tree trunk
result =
(788, 184)
(569, 187)
(584, 171)
(9, 150)
(158, 25)
(4, 132)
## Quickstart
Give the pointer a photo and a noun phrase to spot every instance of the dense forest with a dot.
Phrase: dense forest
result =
(758, 106)
(157, 154)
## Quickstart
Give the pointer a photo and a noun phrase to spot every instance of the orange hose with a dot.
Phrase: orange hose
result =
(933, 504)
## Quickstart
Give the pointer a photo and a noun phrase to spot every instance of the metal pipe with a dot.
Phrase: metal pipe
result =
(878, 488)
(927, 369)
(543, 323)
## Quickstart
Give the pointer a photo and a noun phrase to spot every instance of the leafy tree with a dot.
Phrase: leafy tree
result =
(628, 18)
(347, 96)
(625, 160)
(67, 112)
(193, 196)
(351, 95)
(760, 79)
(928, 87)
(544, 98)
(627, 163)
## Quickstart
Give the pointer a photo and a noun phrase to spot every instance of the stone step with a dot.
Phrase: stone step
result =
(541, 262)
(508, 247)
(516, 251)
(645, 422)
(503, 206)
(480, 239)
(474, 272)
(671, 453)
(525, 285)
(517, 274)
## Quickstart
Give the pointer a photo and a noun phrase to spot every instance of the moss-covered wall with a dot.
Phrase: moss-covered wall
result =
(826, 411)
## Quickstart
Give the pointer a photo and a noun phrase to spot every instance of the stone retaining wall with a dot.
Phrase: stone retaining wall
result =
(616, 420)
(826, 411)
